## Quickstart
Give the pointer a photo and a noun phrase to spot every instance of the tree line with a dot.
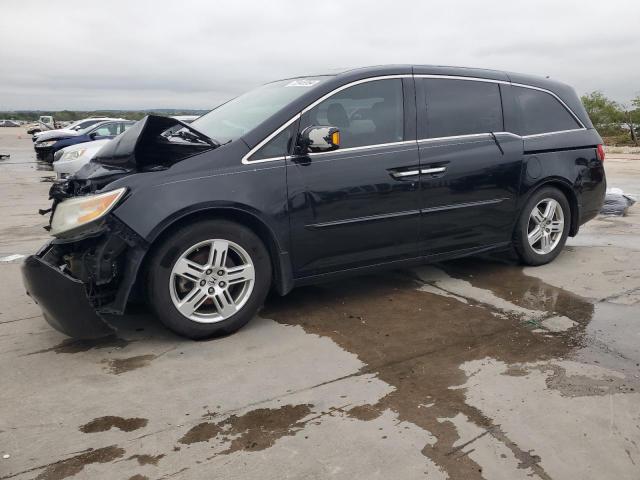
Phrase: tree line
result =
(617, 123)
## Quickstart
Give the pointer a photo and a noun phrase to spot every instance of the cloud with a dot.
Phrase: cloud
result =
(196, 54)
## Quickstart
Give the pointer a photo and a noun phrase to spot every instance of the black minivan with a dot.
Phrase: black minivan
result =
(307, 178)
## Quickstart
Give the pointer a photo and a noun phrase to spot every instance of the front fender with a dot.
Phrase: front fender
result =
(259, 192)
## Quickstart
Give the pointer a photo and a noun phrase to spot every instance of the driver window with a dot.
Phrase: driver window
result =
(367, 114)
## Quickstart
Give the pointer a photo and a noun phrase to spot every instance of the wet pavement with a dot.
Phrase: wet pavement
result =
(469, 369)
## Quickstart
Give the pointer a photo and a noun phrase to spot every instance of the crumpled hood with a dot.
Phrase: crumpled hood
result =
(143, 148)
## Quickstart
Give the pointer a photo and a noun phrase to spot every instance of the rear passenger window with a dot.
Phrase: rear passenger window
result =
(367, 114)
(542, 113)
(462, 107)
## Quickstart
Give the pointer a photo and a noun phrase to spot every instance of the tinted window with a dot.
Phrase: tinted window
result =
(278, 146)
(462, 107)
(542, 113)
(367, 114)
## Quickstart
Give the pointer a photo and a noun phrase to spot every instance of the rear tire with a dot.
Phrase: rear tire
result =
(543, 227)
(209, 279)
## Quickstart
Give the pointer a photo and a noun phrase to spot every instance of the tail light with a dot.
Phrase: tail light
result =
(601, 152)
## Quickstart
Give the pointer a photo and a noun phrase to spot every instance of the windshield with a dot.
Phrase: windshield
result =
(84, 129)
(238, 116)
(75, 125)
(84, 124)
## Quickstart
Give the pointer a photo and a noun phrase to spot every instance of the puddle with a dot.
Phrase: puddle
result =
(253, 431)
(416, 341)
(71, 345)
(576, 385)
(118, 366)
(508, 282)
(102, 424)
(147, 459)
(74, 465)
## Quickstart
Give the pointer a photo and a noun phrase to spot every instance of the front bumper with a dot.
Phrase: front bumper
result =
(77, 281)
(63, 299)
(67, 167)
(44, 152)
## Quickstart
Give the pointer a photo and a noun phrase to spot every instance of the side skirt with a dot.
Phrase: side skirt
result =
(405, 263)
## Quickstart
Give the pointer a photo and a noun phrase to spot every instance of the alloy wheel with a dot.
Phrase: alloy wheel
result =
(212, 280)
(546, 225)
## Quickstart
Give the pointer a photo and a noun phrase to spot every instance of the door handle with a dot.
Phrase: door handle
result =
(433, 170)
(408, 173)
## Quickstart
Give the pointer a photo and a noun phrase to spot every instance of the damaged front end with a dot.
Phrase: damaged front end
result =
(89, 268)
(76, 281)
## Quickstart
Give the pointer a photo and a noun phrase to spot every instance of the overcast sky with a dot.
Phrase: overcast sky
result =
(134, 54)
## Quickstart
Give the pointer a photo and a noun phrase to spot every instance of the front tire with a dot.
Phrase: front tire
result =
(543, 227)
(209, 279)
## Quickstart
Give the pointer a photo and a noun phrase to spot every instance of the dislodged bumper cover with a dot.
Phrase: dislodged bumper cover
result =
(63, 300)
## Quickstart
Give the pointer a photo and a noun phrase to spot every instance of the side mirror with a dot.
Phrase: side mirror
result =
(318, 139)
(93, 135)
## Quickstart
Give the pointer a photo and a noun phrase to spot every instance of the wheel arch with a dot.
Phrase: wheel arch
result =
(568, 191)
(281, 265)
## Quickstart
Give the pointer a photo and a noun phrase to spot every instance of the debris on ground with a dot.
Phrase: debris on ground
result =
(616, 202)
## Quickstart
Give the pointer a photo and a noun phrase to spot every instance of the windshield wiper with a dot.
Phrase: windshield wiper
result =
(195, 136)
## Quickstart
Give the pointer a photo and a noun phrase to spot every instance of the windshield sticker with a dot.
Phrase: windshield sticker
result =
(302, 83)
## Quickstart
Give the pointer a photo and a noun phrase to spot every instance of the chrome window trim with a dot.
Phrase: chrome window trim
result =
(352, 84)
(363, 147)
(504, 82)
(460, 77)
(522, 85)
(488, 135)
(246, 161)
(536, 135)
(456, 137)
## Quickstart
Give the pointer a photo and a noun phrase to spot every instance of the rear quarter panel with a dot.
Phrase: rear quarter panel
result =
(568, 159)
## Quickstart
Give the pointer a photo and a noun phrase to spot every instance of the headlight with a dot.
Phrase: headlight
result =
(78, 211)
(72, 155)
(46, 144)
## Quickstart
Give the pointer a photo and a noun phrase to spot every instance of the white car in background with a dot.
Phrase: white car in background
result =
(69, 160)
(72, 128)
